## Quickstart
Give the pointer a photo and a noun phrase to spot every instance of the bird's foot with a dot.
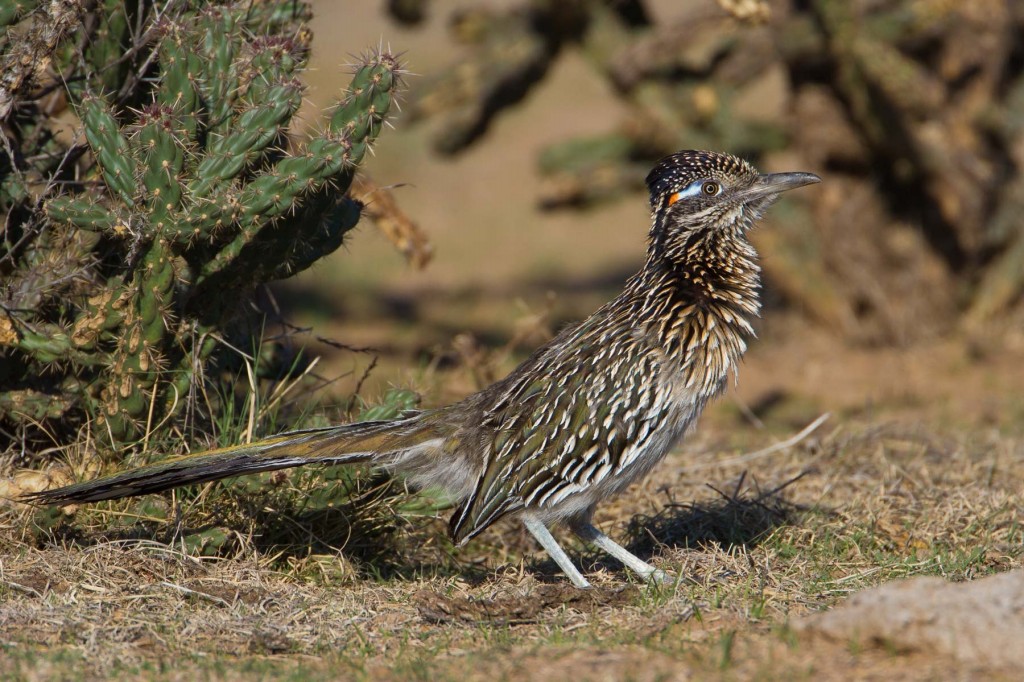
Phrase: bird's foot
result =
(660, 577)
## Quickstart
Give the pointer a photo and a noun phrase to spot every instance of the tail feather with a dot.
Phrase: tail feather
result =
(349, 443)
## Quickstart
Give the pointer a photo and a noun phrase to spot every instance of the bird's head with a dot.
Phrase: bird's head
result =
(697, 196)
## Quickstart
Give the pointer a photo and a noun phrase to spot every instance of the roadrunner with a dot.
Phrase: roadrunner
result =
(588, 413)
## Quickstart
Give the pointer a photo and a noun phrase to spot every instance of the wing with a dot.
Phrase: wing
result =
(562, 424)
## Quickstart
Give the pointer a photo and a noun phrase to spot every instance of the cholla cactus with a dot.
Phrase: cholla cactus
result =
(129, 249)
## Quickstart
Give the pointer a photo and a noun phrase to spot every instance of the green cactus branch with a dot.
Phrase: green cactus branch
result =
(270, 204)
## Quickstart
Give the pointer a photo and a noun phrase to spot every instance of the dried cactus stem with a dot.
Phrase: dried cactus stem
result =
(33, 47)
(27, 405)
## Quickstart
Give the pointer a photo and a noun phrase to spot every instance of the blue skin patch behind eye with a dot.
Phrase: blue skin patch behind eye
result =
(692, 190)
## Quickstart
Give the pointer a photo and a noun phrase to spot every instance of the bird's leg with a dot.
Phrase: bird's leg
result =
(587, 532)
(547, 541)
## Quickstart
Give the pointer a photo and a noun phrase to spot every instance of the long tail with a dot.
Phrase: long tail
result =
(349, 443)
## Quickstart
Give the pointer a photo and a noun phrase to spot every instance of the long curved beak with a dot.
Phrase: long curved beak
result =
(776, 183)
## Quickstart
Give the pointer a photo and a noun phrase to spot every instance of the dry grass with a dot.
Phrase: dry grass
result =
(789, 533)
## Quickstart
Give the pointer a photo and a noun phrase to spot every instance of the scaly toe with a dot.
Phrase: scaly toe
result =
(661, 577)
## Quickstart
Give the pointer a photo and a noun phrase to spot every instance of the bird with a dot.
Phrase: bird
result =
(585, 415)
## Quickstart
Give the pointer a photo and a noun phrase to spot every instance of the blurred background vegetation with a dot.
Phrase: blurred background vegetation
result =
(913, 110)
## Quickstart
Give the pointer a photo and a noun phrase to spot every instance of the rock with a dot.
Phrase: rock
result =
(978, 623)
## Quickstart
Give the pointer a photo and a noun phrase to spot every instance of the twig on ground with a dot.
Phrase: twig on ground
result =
(195, 593)
(764, 452)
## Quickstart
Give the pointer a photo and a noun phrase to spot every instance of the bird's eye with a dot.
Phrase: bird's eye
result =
(708, 188)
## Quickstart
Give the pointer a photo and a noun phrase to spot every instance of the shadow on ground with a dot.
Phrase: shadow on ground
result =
(738, 518)
(369, 531)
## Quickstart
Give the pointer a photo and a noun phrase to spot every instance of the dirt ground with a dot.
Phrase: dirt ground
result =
(919, 470)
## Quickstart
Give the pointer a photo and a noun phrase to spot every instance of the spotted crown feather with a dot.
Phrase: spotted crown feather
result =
(679, 169)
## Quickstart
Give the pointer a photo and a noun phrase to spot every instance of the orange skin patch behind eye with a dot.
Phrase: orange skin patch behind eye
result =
(674, 198)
